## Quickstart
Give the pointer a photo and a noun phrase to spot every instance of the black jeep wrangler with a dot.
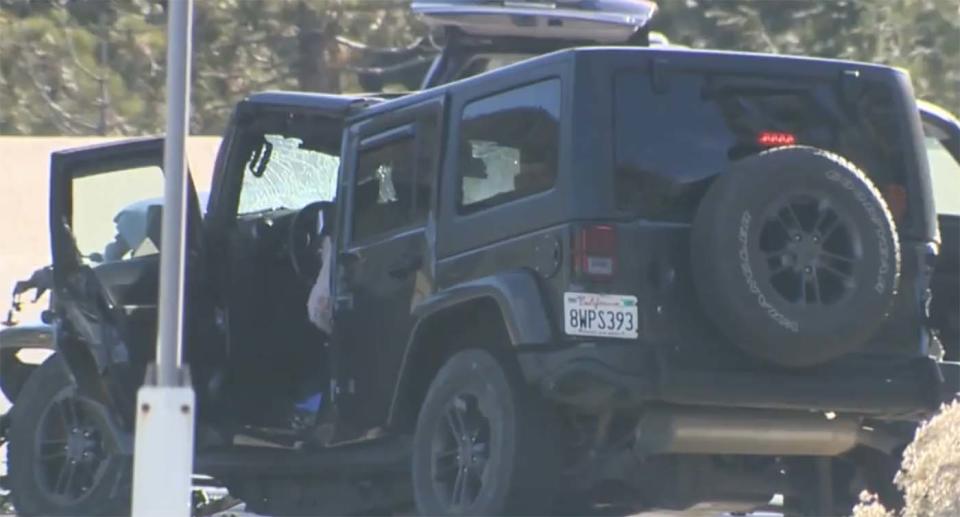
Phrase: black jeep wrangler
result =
(649, 278)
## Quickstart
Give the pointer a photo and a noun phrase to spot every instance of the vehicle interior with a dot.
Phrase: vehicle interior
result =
(263, 256)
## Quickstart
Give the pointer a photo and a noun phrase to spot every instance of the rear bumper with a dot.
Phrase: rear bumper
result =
(621, 376)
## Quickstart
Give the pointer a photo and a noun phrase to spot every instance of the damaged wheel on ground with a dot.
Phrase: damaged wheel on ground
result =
(795, 256)
(63, 453)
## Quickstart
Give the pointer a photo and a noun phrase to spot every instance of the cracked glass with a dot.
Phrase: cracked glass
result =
(284, 174)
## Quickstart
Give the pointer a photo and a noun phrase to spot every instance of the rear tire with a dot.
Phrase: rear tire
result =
(62, 456)
(795, 256)
(482, 446)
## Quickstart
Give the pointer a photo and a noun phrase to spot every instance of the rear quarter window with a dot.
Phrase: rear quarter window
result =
(509, 145)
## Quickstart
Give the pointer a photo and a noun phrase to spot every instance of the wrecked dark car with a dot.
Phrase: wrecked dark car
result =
(647, 278)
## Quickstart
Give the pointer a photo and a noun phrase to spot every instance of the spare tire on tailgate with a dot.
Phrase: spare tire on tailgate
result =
(795, 256)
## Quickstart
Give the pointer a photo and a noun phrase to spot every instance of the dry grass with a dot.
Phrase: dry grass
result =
(930, 474)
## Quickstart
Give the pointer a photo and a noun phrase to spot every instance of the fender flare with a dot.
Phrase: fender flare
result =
(517, 295)
(81, 362)
(521, 305)
(27, 336)
(13, 371)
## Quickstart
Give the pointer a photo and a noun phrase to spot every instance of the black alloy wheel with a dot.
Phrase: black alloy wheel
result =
(810, 251)
(461, 448)
(65, 455)
(482, 444)
(70, 448)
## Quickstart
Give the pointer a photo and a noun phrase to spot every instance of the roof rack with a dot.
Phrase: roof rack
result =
(596, 21)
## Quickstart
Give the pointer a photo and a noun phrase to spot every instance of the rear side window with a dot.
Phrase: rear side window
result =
(509, 143)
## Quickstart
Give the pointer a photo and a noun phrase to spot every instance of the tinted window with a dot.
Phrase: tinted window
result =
(386, 189)
(509, 145)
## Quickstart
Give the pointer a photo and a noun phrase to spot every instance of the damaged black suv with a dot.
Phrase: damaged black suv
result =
(644, 277)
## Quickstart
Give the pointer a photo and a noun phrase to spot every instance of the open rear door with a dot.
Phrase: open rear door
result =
(942, 131)
(105, 214)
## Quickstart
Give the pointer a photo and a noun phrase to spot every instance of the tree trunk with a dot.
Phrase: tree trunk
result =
(317, 67)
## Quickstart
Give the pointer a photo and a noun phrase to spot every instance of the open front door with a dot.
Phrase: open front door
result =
(105, 214)
(390, 175)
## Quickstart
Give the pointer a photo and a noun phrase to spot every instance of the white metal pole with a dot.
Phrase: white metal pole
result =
(170, 325)
(163, 451)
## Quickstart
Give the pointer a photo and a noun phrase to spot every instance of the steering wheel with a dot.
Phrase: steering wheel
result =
(304, 239)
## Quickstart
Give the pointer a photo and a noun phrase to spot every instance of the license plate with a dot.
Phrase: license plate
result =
(600, 315)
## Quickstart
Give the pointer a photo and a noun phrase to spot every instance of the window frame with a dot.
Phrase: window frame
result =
(462, 210)
(378, 140)
(427, 118)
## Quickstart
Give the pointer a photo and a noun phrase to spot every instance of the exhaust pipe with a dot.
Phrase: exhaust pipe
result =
(692, 430)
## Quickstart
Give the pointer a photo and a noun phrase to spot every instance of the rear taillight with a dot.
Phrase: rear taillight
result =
(896, 198)
(776, 139)
(595, 251)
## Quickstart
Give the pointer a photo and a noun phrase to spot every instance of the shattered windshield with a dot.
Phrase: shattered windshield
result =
(280, 173)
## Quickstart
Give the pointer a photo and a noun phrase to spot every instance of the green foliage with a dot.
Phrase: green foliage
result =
(921, 36)
(97, 66)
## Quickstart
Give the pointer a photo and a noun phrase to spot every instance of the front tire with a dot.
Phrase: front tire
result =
(481, 446)
(63, 456)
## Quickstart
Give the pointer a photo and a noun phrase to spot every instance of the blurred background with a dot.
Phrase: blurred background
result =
(96, 67)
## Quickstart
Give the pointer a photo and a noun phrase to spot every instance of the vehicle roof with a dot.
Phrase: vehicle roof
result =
(359, 106)
(705, 56)
(334, 105)
(774, 63)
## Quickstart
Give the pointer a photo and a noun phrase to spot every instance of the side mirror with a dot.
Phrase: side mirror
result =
(95, 257)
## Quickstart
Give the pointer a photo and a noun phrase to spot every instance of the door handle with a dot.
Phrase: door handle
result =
(405, 266)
